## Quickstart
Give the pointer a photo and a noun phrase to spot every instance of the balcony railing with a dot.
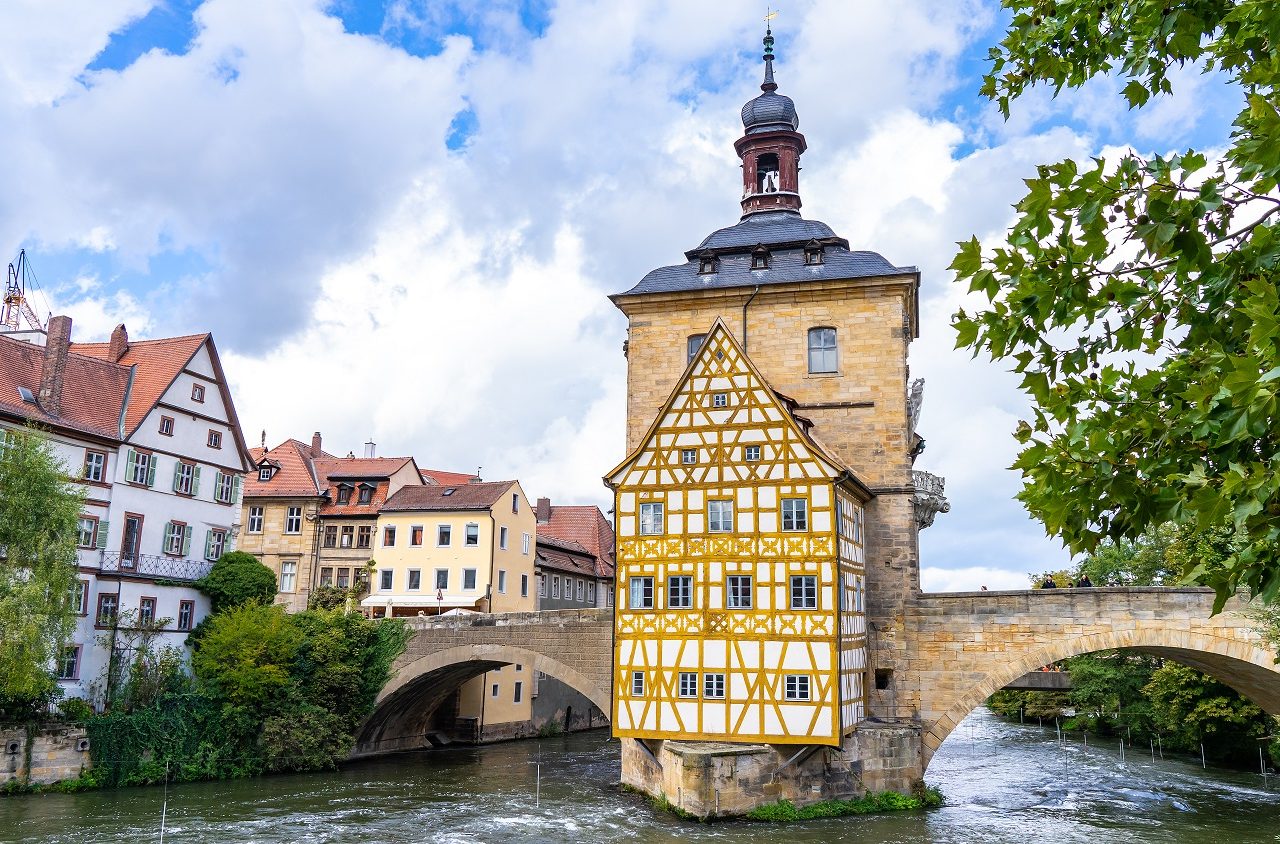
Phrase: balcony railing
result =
(145, 565)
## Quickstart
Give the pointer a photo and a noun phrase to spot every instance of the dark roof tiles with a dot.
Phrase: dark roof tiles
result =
(473, 496)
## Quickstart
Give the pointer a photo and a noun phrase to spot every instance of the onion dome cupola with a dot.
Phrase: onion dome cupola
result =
(771, 147)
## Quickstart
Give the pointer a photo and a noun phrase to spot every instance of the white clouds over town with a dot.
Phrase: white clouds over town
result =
(366, 278)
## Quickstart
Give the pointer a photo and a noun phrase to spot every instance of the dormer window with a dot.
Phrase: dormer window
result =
(366, 493)
(265, 472)
(344, 493)
(707, 263)
(759, 258)
(813, 253)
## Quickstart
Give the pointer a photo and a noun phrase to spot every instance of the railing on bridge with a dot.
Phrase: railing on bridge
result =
(146, 565)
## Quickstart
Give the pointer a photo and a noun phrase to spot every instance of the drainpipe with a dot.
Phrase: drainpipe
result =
(746, 305)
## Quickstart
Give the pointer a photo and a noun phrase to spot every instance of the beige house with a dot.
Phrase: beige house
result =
(282, 501)
(462, 548)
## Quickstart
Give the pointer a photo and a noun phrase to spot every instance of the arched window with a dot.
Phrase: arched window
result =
(767, 176)
(822, 350)
(693, 345)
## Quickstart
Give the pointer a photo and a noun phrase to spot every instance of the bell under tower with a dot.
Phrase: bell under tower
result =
(770, 147)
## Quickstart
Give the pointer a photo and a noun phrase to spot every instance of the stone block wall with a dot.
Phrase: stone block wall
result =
(43, 755)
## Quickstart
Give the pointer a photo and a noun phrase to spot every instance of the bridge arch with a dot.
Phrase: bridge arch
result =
(1241, 664)
(401, 716)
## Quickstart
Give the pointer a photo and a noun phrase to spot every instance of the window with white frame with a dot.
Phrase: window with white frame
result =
(186, 614)
(797, 687)
(637, 683)
(719, 399)
(494, 692)
(385, 578)
(555, 586)
(688, 456)
(142, 468)
(795, 514)
(642, 593)
(415, 580)
(215, 439)
(348, 536)
(822, 350)
(502, 538)
(524, 544)
(166, 426)
(517, 692)
(688, 684)
(95, 466)
(468, 578)
(197, 392)
(80, 597)
(69, 663)
(444, 536)
(693, 344)
(680, 592)
(542, 586)
(804, 592)
(580, 590)
(176, 535)
(214, 544)
(524, 586)
(591, 592)
(472, 535)
(388, 536)
(713, 686)
(293, 520)
(651, 518)
(515, 502)
(502, 581)
(87, 532)
(264, 472)
(738, 592)
(224, 488)
(255, 520)
(720, 515)
(146, 610)
(751, 453)
(442, 579)
(184, 475)
(288, 576)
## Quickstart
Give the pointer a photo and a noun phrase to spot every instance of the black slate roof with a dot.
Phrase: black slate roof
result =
(767, 228)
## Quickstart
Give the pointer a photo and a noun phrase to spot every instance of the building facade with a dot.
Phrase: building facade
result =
(149, 430)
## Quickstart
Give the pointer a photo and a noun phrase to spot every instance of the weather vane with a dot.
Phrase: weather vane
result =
(770, 14)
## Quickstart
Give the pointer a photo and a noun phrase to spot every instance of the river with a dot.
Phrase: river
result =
(1003, 783)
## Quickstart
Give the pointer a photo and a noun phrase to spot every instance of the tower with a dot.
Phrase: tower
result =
(770, 441)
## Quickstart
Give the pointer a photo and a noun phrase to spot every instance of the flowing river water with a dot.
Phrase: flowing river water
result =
(1003, 783)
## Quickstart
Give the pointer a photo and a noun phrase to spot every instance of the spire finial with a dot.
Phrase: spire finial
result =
(768, 84)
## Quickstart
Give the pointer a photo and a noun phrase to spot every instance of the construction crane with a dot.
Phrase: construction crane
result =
(16, 309)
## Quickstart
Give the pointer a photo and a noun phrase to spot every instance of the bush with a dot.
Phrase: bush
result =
(785, 811)
(76, 710)
(238, 578)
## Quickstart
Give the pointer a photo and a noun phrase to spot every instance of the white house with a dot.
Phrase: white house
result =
(149, 429)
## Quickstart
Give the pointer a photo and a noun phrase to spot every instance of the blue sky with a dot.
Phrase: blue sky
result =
(400, 218)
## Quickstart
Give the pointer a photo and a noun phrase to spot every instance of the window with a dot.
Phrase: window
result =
(344, 578)
(795, 514)
(518, 693)
(166, 426)
(502, 581)
(184, 477)
(95, 466)
(693, 344)
(804, 592)
(751, 453)
(444, 536)
(326, 576)
(502, 538)
(442, 579)
(344, 494)
(822, 350)
(359, 577)
(706, 264)
(713, 685)
(555, 586)
(87, 532)
(131, 540)
(688, 455)
(680, 592)
(255, 520)
(366, 494)
(80, 597)
(688, 684)
(225, 488)
(591, 592)
(797, 687)
(720, 516)
(416, 532)
(69, 663)
(651, 518)
(580, 590)
(187, 612)
(146, 610)
(542, 586)
(348, 536)
(637, 683)
(385, 579)
(642, 593)
(738, 587)
(177, 539)
(141, 468)
(108, 606)
(524, 586)
(760, 258)
(515, 502)
(288, 576)
(471, 538)
(719, 399)
(813, 253)
(331, 536)
(215, 542)
(264, 472)
(364, 536)
(524, 544)
(197, 392)
(388, 536)
(215, 439)
(495, 690)
(468, 578)
(415, 580)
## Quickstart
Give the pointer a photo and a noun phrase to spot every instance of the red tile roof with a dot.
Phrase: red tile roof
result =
(294, 474)
(159, 362)
(360, 467)
(439, 476)
(585, 525)
(566, 556)
(476, 496)
(93, 390)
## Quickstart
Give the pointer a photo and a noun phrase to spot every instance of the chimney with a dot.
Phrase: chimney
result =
(544, 511)
(56, 346)
(316, 451)
(370, 449)
(119, 343)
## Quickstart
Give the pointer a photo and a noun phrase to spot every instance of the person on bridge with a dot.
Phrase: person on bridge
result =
(1049, 582)
(1084, 582)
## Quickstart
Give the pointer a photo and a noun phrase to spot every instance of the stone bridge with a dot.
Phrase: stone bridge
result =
(950, 652)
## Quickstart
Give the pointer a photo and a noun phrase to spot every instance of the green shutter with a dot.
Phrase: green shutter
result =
(128, 469)
(235, 489)
(229, 544)
(177, 474)
(208, 543)
(151, 471)
(186, 540)
(217, 483)
(103, 525)
(168, 532)
(195, 482)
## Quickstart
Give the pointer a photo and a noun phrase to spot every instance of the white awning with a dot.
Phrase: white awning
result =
(419, 599)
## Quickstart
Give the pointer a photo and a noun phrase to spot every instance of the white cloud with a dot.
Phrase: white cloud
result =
(971, 579)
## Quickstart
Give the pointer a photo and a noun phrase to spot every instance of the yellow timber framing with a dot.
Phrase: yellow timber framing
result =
(754, 648)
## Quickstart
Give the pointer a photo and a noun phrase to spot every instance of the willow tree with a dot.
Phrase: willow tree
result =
(39, 509)
(1137, 295)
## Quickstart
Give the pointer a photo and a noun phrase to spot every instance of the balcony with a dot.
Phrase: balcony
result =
(930, 499)
(147, 566)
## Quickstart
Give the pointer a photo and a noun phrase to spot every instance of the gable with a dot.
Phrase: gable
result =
(721, 413)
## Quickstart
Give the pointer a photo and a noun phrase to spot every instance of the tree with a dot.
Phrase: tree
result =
(238, 578)
(39, 510)
(1138, 296)
(246, 655)
(1189, 708)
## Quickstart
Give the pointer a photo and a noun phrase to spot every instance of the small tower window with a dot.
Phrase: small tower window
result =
(767, 175)
(759, 258)
(813, 253)
(693, 344)
(707, 263)
(822, 350)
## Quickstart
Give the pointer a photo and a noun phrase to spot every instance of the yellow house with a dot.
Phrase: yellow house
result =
(463, 548)
(282, 498)
(740, 568)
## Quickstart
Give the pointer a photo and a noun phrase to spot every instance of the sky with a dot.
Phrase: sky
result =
(400, 218)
